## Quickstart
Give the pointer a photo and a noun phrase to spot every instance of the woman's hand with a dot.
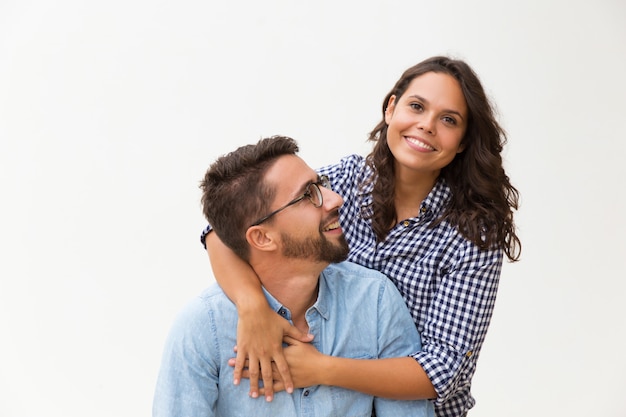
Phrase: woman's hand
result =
(304, 363)
(260, 334)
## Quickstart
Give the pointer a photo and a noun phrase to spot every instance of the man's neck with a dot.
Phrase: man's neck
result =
(294, 284)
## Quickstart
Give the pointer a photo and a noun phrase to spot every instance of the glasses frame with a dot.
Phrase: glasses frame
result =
(313, 187)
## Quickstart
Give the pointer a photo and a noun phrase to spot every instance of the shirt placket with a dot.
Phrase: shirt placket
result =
(307, 403)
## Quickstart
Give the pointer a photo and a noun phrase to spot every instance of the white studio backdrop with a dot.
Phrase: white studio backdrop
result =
(110, 112)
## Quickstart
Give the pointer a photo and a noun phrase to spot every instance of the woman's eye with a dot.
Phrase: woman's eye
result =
(417, 106)
(449, 120)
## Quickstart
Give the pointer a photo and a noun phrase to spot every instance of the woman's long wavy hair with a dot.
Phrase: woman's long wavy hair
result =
(483, 199)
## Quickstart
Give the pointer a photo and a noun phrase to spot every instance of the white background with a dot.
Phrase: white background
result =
(110, 113)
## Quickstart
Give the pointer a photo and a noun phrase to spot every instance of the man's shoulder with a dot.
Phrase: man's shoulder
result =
(201, 317)
(211, 299)
(352, 270)
(360, 283)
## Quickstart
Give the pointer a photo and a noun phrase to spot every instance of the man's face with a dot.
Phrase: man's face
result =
(317, 248)
(306, 231)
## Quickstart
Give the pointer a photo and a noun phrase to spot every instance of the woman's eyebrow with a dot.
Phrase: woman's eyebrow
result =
(420, 98)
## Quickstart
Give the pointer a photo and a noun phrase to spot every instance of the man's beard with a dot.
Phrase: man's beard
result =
(320, 249)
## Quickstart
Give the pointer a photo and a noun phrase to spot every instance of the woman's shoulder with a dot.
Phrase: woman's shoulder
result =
(349, 163)
(351, 170)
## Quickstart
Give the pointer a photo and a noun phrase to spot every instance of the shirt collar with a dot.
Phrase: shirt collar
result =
(273, 302)
(435, 202)
(321, 305)
(438, 197)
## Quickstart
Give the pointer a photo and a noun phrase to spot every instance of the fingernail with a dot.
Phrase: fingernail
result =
(290, 390)
(236, 382)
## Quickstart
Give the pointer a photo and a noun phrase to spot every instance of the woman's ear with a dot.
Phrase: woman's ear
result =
(391, 105)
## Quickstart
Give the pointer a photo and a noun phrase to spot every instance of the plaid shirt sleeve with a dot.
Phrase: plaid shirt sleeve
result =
(205, 232)
(455, 323)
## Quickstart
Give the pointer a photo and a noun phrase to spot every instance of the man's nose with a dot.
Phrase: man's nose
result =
(332, 200)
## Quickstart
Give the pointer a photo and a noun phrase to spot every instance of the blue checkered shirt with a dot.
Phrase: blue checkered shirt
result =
(448, 283)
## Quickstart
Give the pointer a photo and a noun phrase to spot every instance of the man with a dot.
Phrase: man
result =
(297, 252)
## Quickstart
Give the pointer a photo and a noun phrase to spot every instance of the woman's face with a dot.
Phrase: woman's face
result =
(427, 123)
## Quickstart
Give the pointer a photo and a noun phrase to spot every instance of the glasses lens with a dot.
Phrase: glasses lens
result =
(325, 182)
(315, 195)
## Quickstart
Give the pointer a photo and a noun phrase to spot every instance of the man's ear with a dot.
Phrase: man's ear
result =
(260, 238)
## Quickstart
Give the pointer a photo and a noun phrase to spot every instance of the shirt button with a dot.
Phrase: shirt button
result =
(423, 209)
(406, 223)
(282, 312)
(469, 354)
(306, 393)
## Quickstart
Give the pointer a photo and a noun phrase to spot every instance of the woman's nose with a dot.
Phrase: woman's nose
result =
(427, 124)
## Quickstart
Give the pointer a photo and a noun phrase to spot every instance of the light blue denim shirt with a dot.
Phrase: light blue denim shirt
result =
(359, 313)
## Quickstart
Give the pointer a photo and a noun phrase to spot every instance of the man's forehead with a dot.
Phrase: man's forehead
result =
(290, 171)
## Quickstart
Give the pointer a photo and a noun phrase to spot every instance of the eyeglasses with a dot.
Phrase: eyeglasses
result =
(313, 193)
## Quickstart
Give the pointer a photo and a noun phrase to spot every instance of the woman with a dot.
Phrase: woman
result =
(432, 208)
